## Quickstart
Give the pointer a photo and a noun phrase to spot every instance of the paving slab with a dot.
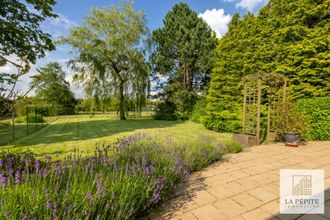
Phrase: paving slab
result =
(246, 185)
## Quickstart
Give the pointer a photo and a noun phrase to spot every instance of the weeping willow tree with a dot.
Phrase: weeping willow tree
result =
(110, 49)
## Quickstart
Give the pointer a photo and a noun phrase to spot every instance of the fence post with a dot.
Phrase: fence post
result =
(244, 107)
(35, 122)
(13, 122)
(258, 110)
(27, 120)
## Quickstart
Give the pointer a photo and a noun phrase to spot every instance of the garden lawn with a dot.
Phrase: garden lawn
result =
(6, 129)
(83, 132)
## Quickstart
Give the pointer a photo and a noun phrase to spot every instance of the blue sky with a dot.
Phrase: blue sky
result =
(217, 13)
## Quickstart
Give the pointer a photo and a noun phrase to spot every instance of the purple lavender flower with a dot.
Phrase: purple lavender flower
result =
(67, 187)
(44, 172)
(144, 160)
(55, 210)
(17, 177)
(89, 196)
(159, 184)
(48, 204)
(99, 187)
(147, 170)
(1, 163)
(27, 161)
(1, 202)
(24, 217)
(56, 166)
(3, 179)
(48, 158)
(156, 198)
(37, 166)
(7, 214)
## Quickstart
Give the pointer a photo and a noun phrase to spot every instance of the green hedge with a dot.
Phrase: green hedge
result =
(165, 111)
(317, 110)
(224, 117)
(31, 118)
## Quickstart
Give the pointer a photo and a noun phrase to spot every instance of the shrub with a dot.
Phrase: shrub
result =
(317, 111)
(290, 120)
(120, 182)
(199, 113)
(165, 111)
(232, 147)
(31, 118)
(224, 117)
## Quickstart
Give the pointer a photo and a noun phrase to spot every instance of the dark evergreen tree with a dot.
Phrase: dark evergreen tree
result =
(183, 55)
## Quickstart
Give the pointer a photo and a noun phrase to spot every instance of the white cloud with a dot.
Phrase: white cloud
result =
(217, 20)
(250, 5)
(62, 21)
(58, 26)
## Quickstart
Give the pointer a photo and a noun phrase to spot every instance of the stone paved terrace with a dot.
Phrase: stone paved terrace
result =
(246, 185)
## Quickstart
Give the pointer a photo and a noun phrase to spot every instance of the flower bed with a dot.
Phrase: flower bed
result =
(120, 181)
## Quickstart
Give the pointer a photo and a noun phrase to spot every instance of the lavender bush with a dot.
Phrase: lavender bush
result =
(120, 181)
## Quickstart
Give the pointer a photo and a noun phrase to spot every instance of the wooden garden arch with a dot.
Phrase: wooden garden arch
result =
(262, 90)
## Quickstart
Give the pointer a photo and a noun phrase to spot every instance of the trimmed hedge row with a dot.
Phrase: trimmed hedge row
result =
(227, 117)
(317, 110)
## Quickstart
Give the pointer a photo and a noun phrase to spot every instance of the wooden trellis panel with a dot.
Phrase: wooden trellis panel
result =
(253, 90)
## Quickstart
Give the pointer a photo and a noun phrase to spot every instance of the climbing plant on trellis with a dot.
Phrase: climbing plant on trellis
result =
(262, 90)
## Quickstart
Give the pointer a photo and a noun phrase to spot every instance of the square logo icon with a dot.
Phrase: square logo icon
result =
(301, 191)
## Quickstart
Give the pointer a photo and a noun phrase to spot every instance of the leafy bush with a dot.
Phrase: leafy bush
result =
(290, 120)
(224, 117)
(317, 111)
(120, 182)
(165, 111)
(232, 147)
(32, 118)
(199, 113)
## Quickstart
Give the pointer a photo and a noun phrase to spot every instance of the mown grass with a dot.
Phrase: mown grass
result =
(85, 131)
(122, 180)
(20, 129)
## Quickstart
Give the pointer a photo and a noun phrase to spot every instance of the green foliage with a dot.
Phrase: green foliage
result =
(183, 55)
(21, 36)
(5, 105)
(20, 28)
(31, 118)
(110, 48)
(22, 109)
(288, 37)
(224, 117)
(317, 111)
(121, 181)
(232, 147)
(53, 89)
(290, 120)
(165, 111)
(199, 113)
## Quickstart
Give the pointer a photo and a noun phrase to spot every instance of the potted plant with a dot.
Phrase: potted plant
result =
(291, 124)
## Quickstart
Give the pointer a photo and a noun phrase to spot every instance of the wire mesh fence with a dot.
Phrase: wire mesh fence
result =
(24, 119)
(20, 121)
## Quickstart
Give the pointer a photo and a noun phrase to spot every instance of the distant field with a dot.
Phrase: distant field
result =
(85, 131)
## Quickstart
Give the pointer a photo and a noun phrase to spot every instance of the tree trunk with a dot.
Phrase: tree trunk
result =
(121, 101)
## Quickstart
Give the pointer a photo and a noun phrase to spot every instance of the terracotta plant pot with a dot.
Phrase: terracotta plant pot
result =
(291, 139)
